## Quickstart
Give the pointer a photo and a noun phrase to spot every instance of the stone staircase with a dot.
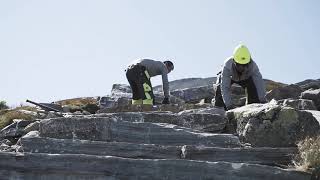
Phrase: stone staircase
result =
(137, 145)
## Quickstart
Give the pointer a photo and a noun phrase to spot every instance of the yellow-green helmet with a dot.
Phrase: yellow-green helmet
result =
(241, 54)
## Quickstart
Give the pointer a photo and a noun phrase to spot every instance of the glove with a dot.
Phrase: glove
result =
(166, 101)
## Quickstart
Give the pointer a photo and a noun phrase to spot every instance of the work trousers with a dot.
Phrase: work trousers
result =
(139, 80)
(248, 85)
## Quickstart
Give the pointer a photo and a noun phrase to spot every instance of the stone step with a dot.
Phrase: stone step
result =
(258, 155)
(111, 129)
(33, 143)
(206, 122)
(36, 166)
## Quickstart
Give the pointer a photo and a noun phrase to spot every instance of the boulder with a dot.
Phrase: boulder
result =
(80, 166)
(114, 102)
(309, 84)
(286, 92)
(194, 94)
(15, 129)
(110, 129)
(32, 127)
(300, 104)
(316, 114)
(120, 88)
(270, 85)
(188, 83)
(272, 125)
(313, 95)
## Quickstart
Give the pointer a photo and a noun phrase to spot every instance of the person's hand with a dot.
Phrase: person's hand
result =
(232, 106)
(166, 100)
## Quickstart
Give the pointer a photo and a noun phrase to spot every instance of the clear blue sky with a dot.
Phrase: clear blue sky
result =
(58, 49)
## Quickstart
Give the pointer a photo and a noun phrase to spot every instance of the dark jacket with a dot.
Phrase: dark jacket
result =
(229, 73)
(155, 68)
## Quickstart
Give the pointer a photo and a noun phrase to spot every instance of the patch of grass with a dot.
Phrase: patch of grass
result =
(7, 116)
(27, 108)
(309, 154)
(81, 104)
(77, 101)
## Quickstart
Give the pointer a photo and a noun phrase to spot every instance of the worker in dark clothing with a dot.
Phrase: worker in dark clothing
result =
(242, 70)
(139, 74)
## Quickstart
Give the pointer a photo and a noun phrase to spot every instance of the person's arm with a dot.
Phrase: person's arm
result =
(226, 86)
(259, 83)
(165, 84)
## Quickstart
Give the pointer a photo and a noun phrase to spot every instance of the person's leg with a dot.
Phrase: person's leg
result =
(133, 79)
(148, 91)
(251, 91)
(218, 100)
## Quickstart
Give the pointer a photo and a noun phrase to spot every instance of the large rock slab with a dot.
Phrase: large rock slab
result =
(272, 125)
(313, 95)
(309, 84)
(188, 83)
(121, 102)
(264, 155)
(33, 143)
(143, 108)
(206, 122)
(111, 129)
(211, 110)
(195, 94)
(300, 104)
(78, 166)
(315, 114)
(286, 92)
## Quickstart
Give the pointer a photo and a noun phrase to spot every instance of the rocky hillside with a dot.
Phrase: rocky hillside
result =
(188, 139)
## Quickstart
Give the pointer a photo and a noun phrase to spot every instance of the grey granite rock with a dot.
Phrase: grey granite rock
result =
(200, 120)
(300, 104)
(289, 91)
(261, 155)
(36, 166)
(272, 125)
(271, 156)
(111, 129)
(313, 95)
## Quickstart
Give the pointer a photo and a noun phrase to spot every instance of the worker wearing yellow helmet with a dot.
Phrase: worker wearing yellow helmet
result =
(242, 70)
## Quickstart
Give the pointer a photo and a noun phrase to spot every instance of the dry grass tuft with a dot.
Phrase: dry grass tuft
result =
(77, 101)
(309, 154)
(7, 116)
